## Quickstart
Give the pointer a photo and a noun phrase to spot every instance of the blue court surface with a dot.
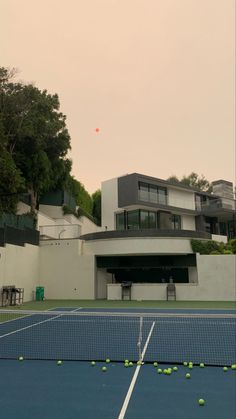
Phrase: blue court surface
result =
(41, 389)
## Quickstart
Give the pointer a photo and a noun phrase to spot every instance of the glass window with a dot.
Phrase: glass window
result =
(143, 191)
(152, 219)
(120, 221)
(144, 219)
(176, 222)
(153, 194)
(133, 220)
(162, 196)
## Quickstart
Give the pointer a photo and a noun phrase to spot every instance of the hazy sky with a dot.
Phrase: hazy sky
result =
(157, 77)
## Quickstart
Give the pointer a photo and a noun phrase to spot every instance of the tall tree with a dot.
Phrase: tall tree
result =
(36, 135)
(193, 180)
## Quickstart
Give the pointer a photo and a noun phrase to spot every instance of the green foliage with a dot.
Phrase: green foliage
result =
(232, 244)
(11, 183)
(194, 181)
(33, 132)
(97, 201)
(82, 197)
(211, 247)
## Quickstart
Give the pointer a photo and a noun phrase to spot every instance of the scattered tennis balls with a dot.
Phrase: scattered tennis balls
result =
(175, 368)
(233, 367)
(59, 362)
(159, 371)
(165, 371)
(188, 375)
(201, 365)
(190, 366)
(130, 364)
(201, 402)
(93, 363)
(21, 358)
(126, 361)
(169, 371)
(225, 369)
(104, 369)
(155, 364)
(126, 364)
(108, 361)
(185, 364)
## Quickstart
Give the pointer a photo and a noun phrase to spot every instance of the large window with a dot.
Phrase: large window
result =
(152, 193)
(134, 220)
(148, 219)
(120, 221)
(176, 222)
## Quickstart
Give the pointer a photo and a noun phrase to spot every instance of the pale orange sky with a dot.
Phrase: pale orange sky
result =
(156, 76)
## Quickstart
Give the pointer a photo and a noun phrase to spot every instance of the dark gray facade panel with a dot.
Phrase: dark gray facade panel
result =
(127, 190)
(115, 234)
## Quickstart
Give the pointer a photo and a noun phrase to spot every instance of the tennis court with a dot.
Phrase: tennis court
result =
(39, 388)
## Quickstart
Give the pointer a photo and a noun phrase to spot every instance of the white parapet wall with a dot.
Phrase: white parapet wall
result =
(65, 272)
(19, 266)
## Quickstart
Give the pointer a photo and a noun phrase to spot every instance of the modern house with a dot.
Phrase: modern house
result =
(143, 246)
(148, 226)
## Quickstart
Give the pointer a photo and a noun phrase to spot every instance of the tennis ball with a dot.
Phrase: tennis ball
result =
(104, 369)
(201, 402)
(165, 371)
(108, 361)
(155, 364)
(126, 361)
(93, 363)
(175, 368)
(130, 364)
(139, 363)
(21, 358)
(159, 371)
(59, 362)
(185, 364)
(201, 365)
(225, 369)
(188, 375)
(233, 367)
(169, 372)
(190, 366)
(126, 364)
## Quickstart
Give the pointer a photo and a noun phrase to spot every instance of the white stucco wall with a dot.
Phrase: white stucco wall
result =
(51, 210)
(109, 203)
(188, 222)
(64, 273)
(19, 266)
(136, 246)
(181, 199)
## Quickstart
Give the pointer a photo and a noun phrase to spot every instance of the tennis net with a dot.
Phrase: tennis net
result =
(162, 337)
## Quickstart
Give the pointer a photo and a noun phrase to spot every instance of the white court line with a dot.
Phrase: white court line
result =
(135, 376)
(32, 325)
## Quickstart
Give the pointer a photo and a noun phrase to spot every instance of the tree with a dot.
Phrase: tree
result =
(194, 181)
(96, 196)
(35, 135)
(11, 183)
